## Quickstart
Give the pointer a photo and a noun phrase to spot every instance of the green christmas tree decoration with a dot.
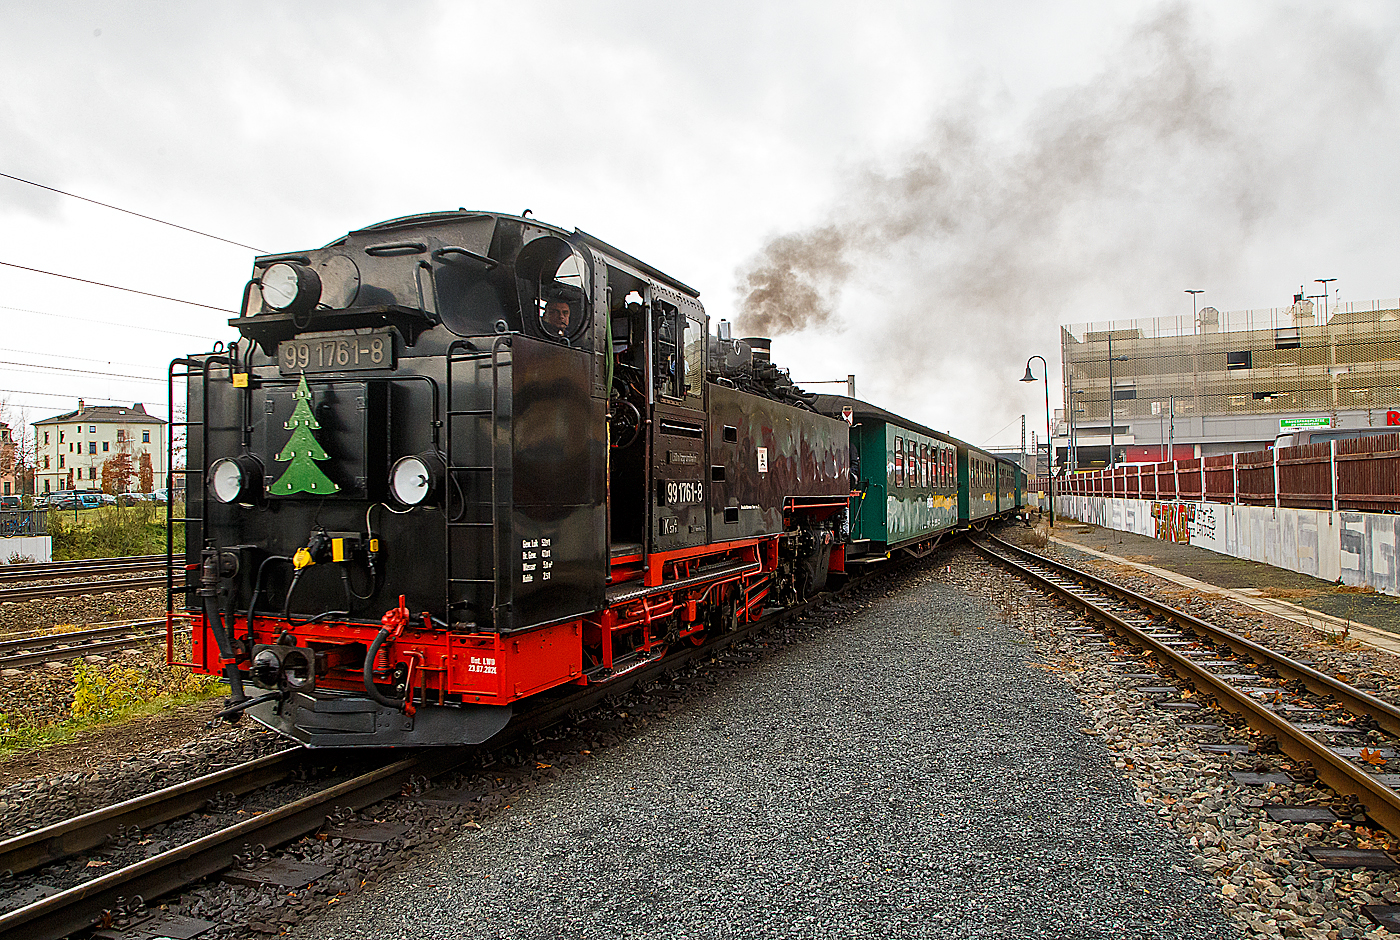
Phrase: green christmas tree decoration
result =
(303, 450)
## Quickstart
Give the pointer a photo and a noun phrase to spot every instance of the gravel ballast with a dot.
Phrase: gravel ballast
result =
(917, 772)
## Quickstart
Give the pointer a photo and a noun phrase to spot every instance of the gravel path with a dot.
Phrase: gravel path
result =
(913, 774)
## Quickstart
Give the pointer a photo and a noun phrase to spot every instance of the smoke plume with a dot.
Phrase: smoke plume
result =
(1107, 197)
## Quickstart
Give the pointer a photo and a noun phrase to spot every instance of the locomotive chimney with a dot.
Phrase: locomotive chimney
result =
(762, 347)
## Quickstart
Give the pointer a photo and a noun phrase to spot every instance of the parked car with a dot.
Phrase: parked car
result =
(70, 499)
(41, 501)
(10, 503)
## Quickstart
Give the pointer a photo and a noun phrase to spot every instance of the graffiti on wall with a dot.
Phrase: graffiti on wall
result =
(1360, 548)
(1204, 521)
(1172, 521)
(1096, 512)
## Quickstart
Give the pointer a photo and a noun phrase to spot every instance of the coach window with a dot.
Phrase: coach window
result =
(899, 461)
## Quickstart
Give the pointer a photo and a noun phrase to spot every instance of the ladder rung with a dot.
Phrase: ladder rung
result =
(469, 525)
(469, 468)
(475, 413)
(472, 580)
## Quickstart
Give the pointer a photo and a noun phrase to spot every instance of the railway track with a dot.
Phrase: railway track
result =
(58, 647)
(79, 588)
(1275, 694)
(105, 898)
(136, 573)
(86, 567)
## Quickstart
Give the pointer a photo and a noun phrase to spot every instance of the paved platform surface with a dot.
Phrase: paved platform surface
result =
(909, 773)
(1283, 593)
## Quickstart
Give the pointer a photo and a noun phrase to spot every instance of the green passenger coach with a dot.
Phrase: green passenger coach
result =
(903, 479)
(911, 484)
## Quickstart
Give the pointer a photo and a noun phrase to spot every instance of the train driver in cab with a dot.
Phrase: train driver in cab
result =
(562, 312)
(556, 317)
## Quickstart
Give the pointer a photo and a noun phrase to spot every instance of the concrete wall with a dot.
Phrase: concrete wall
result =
(1356, 548)
(27, 547)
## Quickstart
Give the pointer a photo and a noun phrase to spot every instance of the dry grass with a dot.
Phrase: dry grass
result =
(1040, 535)
(1283, 593)
(1353, 589)
(1141, 559)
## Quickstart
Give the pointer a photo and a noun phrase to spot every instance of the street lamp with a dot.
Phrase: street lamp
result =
(1195, 327)
(1324, 281)
(1049, 442)
(1112, 413)
(1075, 409)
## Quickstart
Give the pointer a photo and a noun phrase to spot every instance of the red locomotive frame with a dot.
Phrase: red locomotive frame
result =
(500, 669)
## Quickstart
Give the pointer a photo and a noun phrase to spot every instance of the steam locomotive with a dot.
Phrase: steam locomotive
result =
(460, 459)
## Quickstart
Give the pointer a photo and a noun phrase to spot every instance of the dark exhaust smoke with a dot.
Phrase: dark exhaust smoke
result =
(1104, 202)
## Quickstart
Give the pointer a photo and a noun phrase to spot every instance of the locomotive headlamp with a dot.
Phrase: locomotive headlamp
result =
(290, 288)
(284, 667)
(236, 479)
(266, 668)
(414, 480)
(298, 669)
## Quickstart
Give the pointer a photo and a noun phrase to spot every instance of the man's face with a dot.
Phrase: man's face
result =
(556, 315)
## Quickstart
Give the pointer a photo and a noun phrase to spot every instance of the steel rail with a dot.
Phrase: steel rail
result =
(41, 640)
(58, 654)
(1380, 802)
(1354, 700)
(62, 839)
(80, 907)
(39, 571)
(77, 588)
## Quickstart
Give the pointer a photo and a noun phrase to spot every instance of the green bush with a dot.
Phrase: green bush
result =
(111, 532)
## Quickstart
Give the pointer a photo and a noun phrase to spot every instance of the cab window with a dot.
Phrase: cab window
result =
(693, 372)
(554, 286)
(669, 327)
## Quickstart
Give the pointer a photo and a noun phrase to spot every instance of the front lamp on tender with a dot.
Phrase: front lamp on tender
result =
(415, 480)
(236, 479)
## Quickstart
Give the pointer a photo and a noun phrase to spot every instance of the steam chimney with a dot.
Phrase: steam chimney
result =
(762, 347)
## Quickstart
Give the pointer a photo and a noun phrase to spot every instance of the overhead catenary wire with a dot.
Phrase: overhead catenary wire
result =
(105, 375)
(1003, 428)
(69, 396)
(139, 215)
(129, 290)
(122, 326)
(109, 362)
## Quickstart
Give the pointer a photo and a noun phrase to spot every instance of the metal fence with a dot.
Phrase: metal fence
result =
(23, 522)
(1360, 474)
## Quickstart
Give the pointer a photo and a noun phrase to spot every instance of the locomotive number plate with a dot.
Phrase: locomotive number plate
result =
(337, 352)
(680, 493)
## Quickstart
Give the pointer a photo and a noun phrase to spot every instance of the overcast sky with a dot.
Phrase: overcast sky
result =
(917, 193)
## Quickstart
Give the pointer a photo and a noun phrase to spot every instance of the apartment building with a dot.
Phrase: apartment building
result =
(71, 449)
